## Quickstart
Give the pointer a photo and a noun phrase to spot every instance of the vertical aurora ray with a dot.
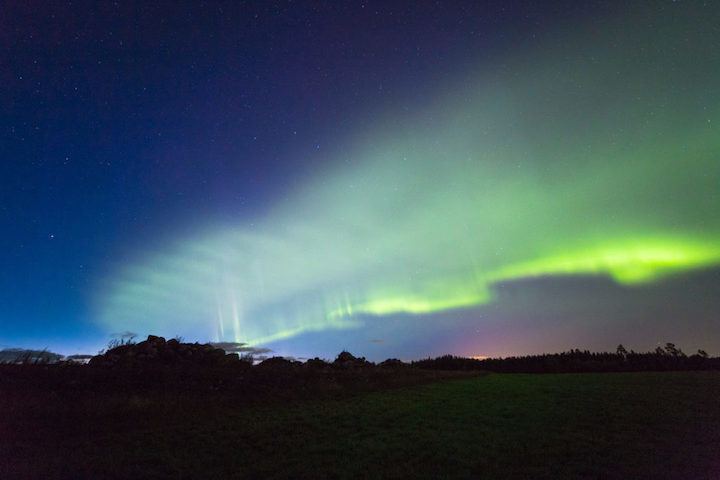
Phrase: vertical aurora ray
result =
(566, 159)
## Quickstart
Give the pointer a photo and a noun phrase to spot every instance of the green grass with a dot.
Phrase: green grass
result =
(617, 425)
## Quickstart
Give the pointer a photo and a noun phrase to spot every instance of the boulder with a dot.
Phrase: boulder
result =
(348, 360)
(316, 364)
(392, 363)
(276, 363)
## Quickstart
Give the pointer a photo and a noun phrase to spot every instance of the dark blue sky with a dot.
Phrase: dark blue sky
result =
(127, 126)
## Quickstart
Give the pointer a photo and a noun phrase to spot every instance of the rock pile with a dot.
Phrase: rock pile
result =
(316, 364)
(277, 363)
(348, 360)
(392, 363)
(157, 351)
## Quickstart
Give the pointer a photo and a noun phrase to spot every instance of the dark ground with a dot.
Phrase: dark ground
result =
(78, 422)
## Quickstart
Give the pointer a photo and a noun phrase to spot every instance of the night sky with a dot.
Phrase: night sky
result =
(396, 178)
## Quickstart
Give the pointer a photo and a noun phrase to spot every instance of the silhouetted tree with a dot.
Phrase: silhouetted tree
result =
(671, 349)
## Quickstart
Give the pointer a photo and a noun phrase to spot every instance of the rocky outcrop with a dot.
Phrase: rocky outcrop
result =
(348, 360)
(156, 351)
(277, 363)
(392, 363)
(316, 364)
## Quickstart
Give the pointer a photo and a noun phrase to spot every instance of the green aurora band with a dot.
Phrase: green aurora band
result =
(594, 153)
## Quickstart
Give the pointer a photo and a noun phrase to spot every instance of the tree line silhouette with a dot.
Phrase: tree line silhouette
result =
(155, 350)
(576, 361)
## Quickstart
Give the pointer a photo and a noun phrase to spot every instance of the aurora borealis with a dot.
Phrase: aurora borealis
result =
(558, 192)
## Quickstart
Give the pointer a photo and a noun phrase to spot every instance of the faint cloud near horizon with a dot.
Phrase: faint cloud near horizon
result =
(241, 347)
(24, 355)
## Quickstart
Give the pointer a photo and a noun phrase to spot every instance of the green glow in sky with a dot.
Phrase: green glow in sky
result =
(596, 156)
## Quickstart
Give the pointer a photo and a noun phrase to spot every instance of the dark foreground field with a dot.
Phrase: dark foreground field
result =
(614, 425)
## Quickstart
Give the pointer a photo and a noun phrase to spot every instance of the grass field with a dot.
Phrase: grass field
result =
(616, 425)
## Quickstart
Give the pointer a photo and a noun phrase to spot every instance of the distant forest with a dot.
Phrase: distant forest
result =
(662, 359)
